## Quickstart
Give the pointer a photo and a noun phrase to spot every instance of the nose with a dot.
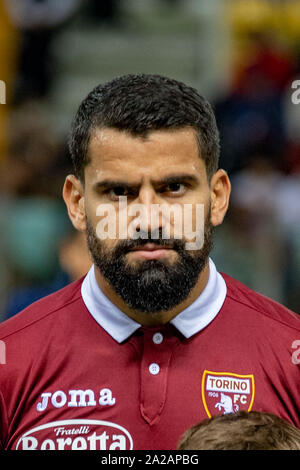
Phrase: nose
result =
(149, 218)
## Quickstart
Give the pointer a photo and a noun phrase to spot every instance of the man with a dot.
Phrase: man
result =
(154, 339)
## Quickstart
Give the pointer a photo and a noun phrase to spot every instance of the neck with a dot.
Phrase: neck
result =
(154, 319)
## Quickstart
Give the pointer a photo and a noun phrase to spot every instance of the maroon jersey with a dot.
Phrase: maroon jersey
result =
(68, 384)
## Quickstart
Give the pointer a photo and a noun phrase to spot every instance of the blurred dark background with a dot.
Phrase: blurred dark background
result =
(243, 55)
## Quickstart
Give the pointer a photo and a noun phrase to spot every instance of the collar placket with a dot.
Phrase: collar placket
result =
(158, 347)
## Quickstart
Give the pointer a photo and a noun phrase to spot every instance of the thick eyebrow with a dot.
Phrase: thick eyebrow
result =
(108, 184)
(182, 178)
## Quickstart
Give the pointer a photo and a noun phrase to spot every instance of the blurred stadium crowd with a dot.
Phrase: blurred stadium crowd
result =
(254, 57)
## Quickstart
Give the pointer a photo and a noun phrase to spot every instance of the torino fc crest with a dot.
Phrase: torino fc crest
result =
(226, 392)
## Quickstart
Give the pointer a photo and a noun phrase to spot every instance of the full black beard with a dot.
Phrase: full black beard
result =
(150, 286)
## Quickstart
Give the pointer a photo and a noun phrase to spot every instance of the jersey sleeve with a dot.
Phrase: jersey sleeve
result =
(3, 422)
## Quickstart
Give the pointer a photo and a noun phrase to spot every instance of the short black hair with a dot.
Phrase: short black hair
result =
(141, 103)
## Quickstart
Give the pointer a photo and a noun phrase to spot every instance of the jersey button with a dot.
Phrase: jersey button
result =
(157, 338)
(154, 368)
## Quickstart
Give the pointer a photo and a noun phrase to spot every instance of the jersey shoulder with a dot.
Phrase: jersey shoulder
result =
(248, 298)
(41, 309)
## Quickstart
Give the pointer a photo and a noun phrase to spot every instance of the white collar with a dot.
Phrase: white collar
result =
(189, 322)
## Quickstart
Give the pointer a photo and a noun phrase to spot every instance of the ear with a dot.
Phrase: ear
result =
(220, 188)
(73, 194)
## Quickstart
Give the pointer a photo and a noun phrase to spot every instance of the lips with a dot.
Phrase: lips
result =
(150, 247)
(150, 251)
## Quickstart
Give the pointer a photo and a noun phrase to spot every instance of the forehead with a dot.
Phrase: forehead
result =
(113, 152)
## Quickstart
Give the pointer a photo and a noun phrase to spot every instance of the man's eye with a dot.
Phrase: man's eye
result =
(118, 191)
(176, 188)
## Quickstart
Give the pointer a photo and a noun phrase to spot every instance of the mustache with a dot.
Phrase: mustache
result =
(156, 238)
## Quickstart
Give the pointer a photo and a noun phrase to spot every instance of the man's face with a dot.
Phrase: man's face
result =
(151, 269)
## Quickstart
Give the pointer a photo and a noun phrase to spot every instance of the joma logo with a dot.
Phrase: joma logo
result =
(74, 398)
